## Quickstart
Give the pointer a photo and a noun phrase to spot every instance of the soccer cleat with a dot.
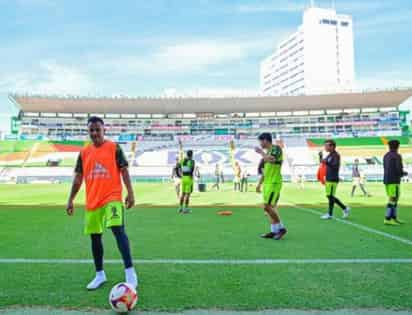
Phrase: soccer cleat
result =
(399, 221)
(131, 277)
(97, 282)
(282, 232)
(346, 213)
(268, 235)
(186, 211)
(326, 216)
(180, 210)
(390, 222)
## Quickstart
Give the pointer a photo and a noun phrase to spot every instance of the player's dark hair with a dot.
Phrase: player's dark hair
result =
(331, 142)
(190, 154)
(95, 119)
(265, 136)
(394, 144)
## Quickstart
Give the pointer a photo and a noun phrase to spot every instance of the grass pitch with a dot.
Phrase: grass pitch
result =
(208, 261)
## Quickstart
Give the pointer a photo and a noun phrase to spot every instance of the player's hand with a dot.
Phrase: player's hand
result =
(258, 189)
(259, 151)
(129, 201)
(70, 208)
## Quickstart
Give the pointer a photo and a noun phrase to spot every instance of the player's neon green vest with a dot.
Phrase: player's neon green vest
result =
(272, 171)
(187, 168)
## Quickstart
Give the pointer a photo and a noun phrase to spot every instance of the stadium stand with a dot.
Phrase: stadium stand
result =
(52, 129)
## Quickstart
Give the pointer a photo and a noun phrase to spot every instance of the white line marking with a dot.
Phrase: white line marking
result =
(215, 261)
(358, 226)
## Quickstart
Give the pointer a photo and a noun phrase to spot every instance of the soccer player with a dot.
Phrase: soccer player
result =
(187, 167)
(238, 172)
(102, 165)
(332, 161)
(244, 180)
(176, 177)
(217, 177)
(271, 179)
(357, 179)
(393, 173)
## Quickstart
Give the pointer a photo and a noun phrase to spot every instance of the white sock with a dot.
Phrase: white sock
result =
(130, 271)
(274, 228)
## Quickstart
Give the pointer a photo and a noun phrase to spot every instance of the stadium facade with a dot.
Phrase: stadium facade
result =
(128, 119)
(319, 54)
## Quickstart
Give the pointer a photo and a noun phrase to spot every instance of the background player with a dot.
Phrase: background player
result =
(102, 164)
(176, 177)
(187, 168)
(237, 176)
(332, 162)
(393, 173)
(217, 177)
(357, 179)
(271, 179)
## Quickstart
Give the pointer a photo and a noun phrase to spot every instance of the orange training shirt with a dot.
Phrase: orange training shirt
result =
(101, 175)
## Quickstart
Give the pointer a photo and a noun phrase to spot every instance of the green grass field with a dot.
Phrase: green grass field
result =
(206, 261)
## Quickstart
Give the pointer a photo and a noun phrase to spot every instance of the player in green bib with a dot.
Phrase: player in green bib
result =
(187, 168)
(271, 179)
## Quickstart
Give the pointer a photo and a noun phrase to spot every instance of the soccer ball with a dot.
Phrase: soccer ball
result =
(123, 298)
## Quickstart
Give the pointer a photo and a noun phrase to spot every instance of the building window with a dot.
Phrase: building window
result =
(333, 22)
(345, 24)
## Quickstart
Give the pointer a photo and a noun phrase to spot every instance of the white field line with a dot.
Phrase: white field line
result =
(357, 225)
(215, 261)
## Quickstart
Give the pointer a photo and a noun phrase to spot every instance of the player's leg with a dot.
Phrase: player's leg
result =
(94, 227)
(114, 212)
(188, 191)
(182, 196)
(395, 213)
(392, 191)
(177, 188)
(187, 201)
(345, 209)
(331, 200)
(271, 194)
(353, 188)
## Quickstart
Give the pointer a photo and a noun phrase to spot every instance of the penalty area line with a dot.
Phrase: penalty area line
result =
(215, 261)
(357, 225)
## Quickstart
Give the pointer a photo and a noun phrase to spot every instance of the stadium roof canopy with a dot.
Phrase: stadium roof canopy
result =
(124, 105)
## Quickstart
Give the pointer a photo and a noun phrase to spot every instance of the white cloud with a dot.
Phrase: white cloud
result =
(210, 92)
(385, 80)
(299, 6)
(194, 56)
(270, 7)
(191, 56)
(48, 78)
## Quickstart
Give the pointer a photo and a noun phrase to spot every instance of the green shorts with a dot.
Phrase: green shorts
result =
(187, 185)
(393, 191)
(330, 188)
(111, 214)
(271, 193)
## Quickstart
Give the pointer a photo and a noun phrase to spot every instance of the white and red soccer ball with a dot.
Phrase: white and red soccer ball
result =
(123, 298)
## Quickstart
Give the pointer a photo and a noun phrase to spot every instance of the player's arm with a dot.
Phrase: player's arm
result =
(261, 178)
(76, 185)
(272, 157)
(123, 165)
(181, 153)
(397, 166)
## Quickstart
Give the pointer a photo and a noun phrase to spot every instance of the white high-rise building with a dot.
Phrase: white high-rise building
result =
(318, 58)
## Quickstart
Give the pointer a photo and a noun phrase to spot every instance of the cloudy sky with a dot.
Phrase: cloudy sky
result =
(157, 47)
